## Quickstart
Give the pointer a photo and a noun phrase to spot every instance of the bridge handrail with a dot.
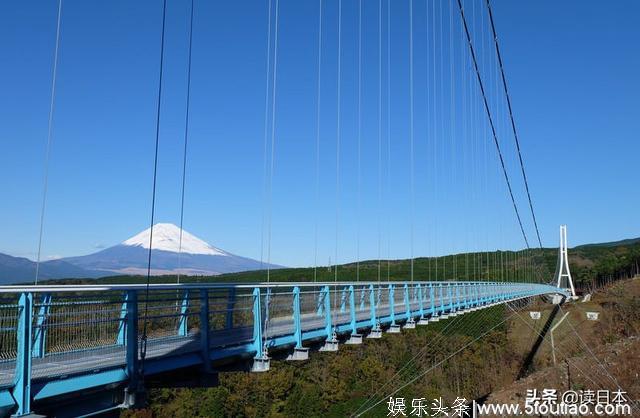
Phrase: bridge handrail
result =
(244, 285)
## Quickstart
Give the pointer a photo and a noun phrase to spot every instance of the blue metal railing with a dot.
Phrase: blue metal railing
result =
(59, 339)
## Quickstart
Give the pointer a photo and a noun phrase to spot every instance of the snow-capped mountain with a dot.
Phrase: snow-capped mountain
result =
(193, 257)
(166, 237)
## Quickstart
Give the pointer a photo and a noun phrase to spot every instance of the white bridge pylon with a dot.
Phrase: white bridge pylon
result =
(563, 274)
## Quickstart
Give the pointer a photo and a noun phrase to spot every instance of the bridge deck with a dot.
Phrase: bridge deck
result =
(71, 363)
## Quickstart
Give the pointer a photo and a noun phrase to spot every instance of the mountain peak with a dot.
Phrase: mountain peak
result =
(166, 237)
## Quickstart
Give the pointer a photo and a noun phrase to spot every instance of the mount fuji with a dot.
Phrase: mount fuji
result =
(169, 255)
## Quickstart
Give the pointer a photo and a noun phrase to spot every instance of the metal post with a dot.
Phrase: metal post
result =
(376, 332)
(297, 325)
(299, 352)
(392, 303)
(40, 332)
(122, 324)
(372, 306)
(257, 322)
(320, 303)
(407, 304)
(132, 337)
(420, 301)
(393, 328)
(204, 329)
(261, 361)
(22, 378)
(343, 299)
(352, 306)
(411, 323)
(328, 326)
(354, 338)
(465, 302)
(182, 324)
(432, 300)
(331, 342)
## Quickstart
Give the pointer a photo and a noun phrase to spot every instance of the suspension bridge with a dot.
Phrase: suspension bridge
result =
(62, 340)
(61, 343)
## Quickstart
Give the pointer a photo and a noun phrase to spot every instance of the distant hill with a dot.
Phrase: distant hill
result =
(14, 270)
(622, 242)
(174, 252)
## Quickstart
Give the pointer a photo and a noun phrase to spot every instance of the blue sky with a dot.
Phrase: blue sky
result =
(571, 66)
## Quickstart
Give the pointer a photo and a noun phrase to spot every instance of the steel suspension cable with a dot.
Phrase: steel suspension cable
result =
(411, 135)
(143, 342)
(318, 97)
(47, 157)
(338, 134)
(388, 172)
(452, 128)
(273, 136)
(379, 141)
(359, 175)
(265, 135)
(274, 76)
(513, 123)
(186, 139)
(491, 123)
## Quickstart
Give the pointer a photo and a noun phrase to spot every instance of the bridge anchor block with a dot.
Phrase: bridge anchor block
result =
(261, 363)
(299, 354)
(394, 329)
(331, 344)
(354, 339)
(376, 331)
(423, 321)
